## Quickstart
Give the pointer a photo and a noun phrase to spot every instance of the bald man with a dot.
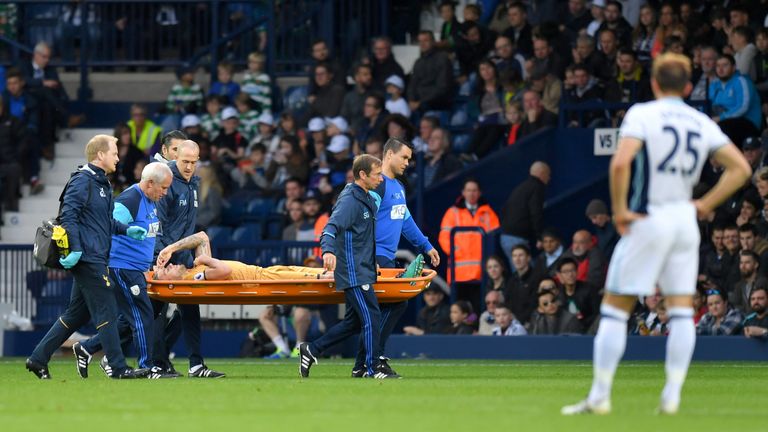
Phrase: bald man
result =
(523, 214)
(590, 261)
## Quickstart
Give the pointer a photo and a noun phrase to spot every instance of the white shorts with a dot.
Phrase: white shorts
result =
(662, 248)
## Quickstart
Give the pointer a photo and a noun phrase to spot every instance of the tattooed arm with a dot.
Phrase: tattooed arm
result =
(198, 241)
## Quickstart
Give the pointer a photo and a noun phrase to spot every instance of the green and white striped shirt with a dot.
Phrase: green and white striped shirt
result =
(249, 124)
(259, 88)
(186, 97)
(211, 124)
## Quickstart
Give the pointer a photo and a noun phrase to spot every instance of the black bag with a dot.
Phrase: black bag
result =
(45, 249)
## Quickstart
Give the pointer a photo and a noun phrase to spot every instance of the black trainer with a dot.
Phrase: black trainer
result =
(156, 372)
(82, 359)
(383, 371)
(306, 360)
(40, 370)
(204, 372)
(131, 373)
(359, 373)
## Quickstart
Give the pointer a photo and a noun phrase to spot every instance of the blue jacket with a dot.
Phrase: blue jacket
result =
(736, 97)
(177, 212)
(394, 219)
(86, 214)
(351, 235)
(133, 208)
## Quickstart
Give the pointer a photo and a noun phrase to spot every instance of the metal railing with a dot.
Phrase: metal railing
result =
(109, 34)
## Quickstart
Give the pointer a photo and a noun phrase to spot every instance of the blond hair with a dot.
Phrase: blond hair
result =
(672, 72)
(99, 143)
(257, 57)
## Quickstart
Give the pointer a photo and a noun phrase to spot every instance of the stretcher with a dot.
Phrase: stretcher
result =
(388, 288)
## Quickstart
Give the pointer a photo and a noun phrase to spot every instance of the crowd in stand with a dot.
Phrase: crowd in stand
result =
(493, 83)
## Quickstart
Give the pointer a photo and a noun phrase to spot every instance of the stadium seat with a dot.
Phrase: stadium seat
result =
(219, 235)
(258, 209)
(461, 143)
(233, 211)
(247, 234)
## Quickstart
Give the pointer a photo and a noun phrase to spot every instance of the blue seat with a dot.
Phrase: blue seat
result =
(258, 208)
(219, 235)
(247, 234)
(233, 211)
(461, 143)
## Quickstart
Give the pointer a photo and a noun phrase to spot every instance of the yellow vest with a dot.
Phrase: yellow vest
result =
(148, 135)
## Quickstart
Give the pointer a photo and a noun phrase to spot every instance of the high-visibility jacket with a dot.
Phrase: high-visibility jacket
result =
(320, 223)
(467, 245)
(148, 136)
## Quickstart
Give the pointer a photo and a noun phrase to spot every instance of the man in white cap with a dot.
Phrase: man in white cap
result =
(397, 103)
(341, 162)
(230, 145)
(336, 126)
(190, 125)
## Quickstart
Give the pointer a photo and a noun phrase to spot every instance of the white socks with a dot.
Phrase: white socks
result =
(610, 341)
(680, 344)
(280, 344)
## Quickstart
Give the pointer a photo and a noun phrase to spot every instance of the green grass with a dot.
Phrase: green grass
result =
(436, 395)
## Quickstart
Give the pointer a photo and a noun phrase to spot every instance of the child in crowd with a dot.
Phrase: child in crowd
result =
(266, 134)
(249, 117)
(186, 97)
(257, 84)
(506, 323)
(229, 146)
(460, 313)
(224, 86)
(514, 116)
(211, 120)
(190, 125)
(250, 173)
(396, 103)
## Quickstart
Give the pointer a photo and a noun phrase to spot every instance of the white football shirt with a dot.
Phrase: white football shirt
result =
(677, 140)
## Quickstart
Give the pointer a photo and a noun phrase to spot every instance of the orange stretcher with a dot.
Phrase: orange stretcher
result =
(300, 291)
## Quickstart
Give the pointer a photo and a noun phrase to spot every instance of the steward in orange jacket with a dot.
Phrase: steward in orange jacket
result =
(470, 209)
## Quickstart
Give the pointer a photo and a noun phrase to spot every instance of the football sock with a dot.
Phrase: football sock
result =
(680, 344)
(280, 344)
(610, 341)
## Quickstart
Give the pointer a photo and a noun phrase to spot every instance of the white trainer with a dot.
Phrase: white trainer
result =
(584, 407)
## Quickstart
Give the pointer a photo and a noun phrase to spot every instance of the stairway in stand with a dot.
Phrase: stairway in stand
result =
(19, 227)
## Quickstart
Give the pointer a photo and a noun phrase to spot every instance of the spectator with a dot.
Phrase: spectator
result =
(668, 20)
(719, 38)
(229, 146)
(597, 11)
(496, 274)
(145, 134)
(469, 210)
(756, 323)
(520, 291)
(615, 22)
(288, 162)
(519, 31)
(708, 58)
(24, 107)
(128, 156)
(575, 296)
(734, 96)
(375, 147)
(383, 63)
(591, 264)
(546, 59)
(749, 264)
(514, 116)
(427, 124)
(396, 103)
(744, 51)
(699, 305)
(609, 46)
(698, 29)
(524, 210)
(507, 58)
(249, 119)
(257, 84)
(750, 241)
(11, 134)
(716, 260)
(450, 32)
(441, 163)
(551, 249)
(587, 89)
(211, 199)
(594, 61)
(341, 161)
(721, 319)
(761, 64)
(607, 237)
(211, 120)
(631, 85)
(471, 49)
(190, 125)
(185, 97)
(293, 189)
(493, 299)
(460, 315)
(397, 126)
(354, 101)
(506, 323)
(250, 173)
(551, 319)
(328, 96)
(373, 118)
(224, 86)
(574, 17)
(644, 35)
(432, 78)
(549, 87)
(321, 54)
(299, 228)
(748, 212)
(266, 134)
(661, 324)
(432, 318)
(536, 116)
(488, 100)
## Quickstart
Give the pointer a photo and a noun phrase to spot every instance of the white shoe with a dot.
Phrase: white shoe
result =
(584, 407)
(668, 408)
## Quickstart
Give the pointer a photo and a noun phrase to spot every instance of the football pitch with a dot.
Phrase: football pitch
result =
(435, 395)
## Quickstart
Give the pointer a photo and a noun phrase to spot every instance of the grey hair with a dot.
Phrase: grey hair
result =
(156, 172)
(42, 46)
(586, 39)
